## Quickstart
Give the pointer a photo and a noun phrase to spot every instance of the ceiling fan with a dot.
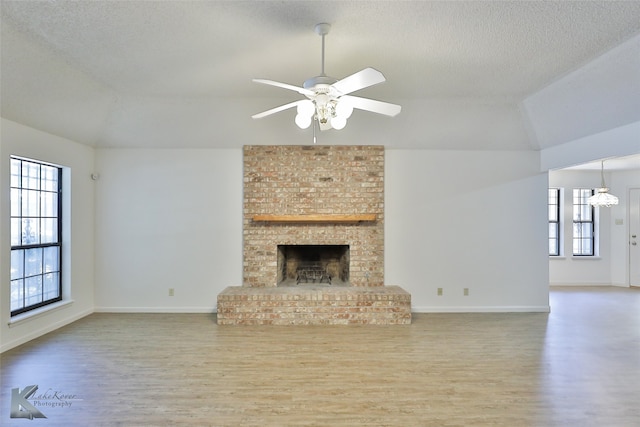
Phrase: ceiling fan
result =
(328, 101)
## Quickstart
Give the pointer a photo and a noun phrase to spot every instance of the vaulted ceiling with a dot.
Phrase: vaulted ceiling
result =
(469, 75)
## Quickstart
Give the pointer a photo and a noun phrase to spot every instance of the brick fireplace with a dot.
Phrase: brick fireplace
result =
(313, 230)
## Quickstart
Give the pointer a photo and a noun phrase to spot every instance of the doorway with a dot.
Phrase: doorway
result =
(634, 237)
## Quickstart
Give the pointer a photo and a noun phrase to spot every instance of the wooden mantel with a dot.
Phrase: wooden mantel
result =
(316, 218)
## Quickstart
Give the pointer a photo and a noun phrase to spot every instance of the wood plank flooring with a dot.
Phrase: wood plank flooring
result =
(577, 366)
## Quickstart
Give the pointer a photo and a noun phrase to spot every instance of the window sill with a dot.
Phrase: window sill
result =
(585, 258)
(20, 318)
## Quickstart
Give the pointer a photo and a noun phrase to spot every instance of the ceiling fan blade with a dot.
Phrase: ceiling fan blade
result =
(300, 90)
(276, 110)
(360, 80)
(372, 105)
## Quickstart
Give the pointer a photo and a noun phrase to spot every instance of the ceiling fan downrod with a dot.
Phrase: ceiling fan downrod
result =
(322, 82)
(322, 30)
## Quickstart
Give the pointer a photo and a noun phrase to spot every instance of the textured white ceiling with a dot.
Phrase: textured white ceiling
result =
(178, 73)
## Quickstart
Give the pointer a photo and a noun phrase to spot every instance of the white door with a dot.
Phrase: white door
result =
(634, 237)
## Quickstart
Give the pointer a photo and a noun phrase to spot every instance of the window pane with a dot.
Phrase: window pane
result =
(49, 204)
(582, 247)
(585, 212)
(49, 230)
(582, 230)
(577, 246)
(553, 212)
(585, 230)
(49, 178)
(31, 175)
(50, 285)
(30, 203)
(17, 264)
(51, 259)
(17, 293)
(15, 202)
(553, 230)
(587, 248)
(553, 247)
(33, 262)
(30, 231)
(33, 290)
(16, 172)
(16, 232)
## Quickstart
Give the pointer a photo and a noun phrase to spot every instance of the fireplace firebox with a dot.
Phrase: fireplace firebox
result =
(300, 265)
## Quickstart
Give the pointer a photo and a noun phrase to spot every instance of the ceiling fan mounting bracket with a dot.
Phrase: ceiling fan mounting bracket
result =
(319, 81)
(323, 29)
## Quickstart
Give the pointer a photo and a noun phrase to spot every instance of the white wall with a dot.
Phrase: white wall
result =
(611, 265)
(173, 219)
(167, 219)
(459, 219)
(78, 275)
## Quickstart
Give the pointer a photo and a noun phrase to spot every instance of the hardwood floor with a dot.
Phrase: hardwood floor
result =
(577, 366)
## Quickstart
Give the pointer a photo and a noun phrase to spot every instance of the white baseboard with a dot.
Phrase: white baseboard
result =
(155, 310)
(552, 285)
(621, 285)
(38, 333)
(483, 309)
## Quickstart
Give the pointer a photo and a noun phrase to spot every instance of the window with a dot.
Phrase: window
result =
(583, 223)
(554, 221)
(36, 234)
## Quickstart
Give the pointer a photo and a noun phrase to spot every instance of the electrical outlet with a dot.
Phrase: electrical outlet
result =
(170, 292)
(466, 292)
(439, 291)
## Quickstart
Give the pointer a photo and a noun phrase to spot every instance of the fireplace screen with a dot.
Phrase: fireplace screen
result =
(300, 265)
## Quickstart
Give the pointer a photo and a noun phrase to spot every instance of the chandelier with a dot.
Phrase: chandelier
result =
(602, 198)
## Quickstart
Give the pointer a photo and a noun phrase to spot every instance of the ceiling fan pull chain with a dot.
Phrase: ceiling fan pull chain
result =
(314, 130)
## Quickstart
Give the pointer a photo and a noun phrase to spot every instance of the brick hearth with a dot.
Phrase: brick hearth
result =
(308, 305)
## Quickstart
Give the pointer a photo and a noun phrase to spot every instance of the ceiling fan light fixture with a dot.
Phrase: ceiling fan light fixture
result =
(328, 100)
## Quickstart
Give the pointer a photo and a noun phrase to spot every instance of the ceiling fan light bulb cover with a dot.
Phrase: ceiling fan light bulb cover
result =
(303, 121)
(344, 109)
(338, 122)
(306, 108)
